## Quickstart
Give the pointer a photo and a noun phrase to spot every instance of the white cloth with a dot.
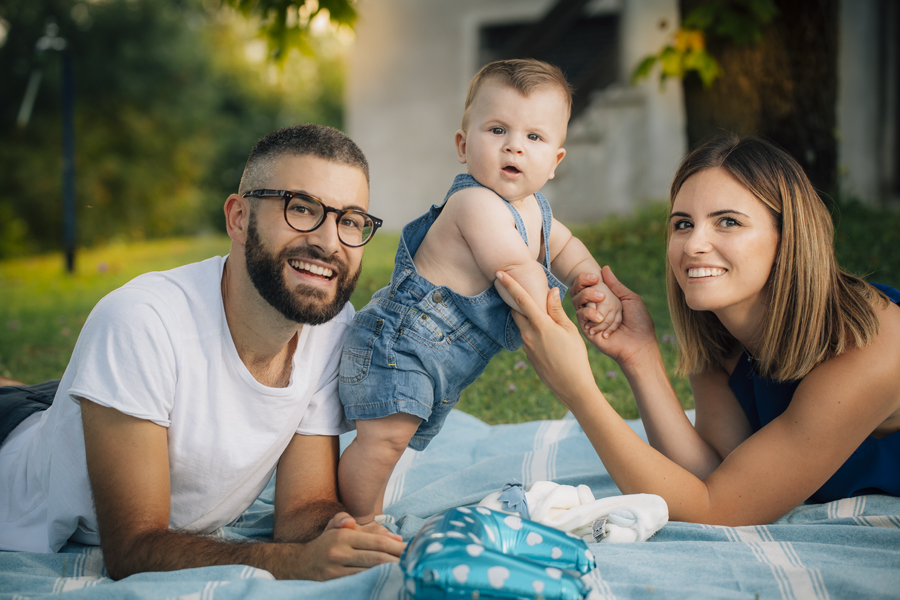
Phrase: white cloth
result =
(631, 518)
(159, 348)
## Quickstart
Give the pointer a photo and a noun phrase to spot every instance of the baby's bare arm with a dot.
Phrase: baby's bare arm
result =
(571, 258)
(488, 228)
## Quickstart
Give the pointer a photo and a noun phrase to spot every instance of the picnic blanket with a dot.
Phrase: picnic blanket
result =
(844, 549)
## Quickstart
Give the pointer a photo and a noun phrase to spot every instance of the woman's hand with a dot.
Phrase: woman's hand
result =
(552, 343)
(635, 336)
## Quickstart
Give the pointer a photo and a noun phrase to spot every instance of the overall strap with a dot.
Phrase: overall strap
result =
(464, 180)
(546, 223)
(520, 224)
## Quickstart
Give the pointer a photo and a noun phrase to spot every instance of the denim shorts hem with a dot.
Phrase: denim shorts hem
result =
(419, 443)
(386, 409)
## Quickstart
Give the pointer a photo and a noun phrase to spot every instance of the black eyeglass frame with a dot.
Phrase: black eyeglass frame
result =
(289, 195)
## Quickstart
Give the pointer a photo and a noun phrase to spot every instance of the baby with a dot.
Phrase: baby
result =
(420, 341)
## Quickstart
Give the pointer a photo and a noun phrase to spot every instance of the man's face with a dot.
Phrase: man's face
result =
(308, 277)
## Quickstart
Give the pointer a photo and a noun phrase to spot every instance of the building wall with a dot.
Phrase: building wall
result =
(407, 81)
(867, 110)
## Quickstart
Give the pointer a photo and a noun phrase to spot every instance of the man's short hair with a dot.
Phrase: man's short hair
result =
(524, 75)
(300, 140)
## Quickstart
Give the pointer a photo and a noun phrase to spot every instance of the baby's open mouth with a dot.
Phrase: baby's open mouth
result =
(311, 269)
(511, 170)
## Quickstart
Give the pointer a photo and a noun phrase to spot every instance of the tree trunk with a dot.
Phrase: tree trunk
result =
(783, 88)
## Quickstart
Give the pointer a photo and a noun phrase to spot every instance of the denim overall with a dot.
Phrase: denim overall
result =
(415, 346)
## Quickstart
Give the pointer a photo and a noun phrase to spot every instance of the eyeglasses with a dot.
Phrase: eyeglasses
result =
(306, 213)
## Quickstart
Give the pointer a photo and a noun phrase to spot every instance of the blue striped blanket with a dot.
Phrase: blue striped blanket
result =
(844, 549)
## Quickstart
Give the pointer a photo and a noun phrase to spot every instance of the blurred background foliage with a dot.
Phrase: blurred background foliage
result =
(170, 95)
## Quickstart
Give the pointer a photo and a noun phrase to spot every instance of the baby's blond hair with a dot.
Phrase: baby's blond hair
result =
(522, 74)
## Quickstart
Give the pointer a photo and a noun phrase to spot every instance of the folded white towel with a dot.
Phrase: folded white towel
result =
(631, 518)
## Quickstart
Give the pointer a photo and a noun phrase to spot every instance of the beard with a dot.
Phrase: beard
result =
(305, 304)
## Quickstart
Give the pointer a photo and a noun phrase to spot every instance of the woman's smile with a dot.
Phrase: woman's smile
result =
(704, 272)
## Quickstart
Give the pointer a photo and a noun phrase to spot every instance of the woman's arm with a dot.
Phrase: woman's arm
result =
(635, 349)
(766, 475)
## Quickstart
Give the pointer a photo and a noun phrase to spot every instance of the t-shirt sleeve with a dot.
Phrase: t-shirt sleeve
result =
(325, 413)
(125, 358)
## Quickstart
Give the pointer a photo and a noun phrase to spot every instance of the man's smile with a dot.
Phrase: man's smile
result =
(311, 269)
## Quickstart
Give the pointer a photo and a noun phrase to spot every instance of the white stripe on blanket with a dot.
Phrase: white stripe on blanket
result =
(540, 464)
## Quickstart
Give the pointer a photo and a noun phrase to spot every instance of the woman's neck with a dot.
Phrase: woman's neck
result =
(746, 324)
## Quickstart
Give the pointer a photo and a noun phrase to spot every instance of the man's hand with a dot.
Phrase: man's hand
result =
(346, 521)
(345, 548)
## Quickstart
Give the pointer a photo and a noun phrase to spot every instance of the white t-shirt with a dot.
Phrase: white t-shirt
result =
(159, 348)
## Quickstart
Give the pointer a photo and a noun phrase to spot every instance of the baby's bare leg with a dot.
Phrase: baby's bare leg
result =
(368, 461)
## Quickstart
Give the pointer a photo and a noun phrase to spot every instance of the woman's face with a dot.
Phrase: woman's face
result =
(722, 245)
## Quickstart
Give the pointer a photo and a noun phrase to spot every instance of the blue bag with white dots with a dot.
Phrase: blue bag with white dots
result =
(480, 553)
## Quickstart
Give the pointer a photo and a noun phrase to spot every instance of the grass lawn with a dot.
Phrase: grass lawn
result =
(42, 309)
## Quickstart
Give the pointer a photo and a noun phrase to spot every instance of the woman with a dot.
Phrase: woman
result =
(792, 362)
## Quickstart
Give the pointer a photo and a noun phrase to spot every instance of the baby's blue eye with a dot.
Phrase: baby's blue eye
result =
(534, 137)
(497, 130)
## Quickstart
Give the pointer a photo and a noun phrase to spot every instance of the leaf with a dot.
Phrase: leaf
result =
(702, 17)
(643, 69)
(672, 62)
(707, 68)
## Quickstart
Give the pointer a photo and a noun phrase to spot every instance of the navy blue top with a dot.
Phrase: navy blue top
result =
(874, 468)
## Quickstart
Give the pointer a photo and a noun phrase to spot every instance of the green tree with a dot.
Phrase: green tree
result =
(169, 100)
(287, 23)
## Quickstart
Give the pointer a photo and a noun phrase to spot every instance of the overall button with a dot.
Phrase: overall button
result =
(437, 298)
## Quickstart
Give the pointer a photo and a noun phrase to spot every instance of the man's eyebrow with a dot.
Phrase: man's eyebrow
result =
(355, 207)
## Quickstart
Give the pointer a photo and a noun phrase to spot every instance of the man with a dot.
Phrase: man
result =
(187, 387)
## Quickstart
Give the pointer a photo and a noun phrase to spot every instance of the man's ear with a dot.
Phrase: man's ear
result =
(237, 218)
(461, 146)
(560, 154)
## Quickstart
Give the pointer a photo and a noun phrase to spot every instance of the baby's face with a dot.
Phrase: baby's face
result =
(512, 143)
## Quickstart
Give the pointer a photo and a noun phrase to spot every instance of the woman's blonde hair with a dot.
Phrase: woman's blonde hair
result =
(816, 311)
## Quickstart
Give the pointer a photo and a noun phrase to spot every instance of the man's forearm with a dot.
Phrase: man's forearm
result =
(171, 550)
(305, 523)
